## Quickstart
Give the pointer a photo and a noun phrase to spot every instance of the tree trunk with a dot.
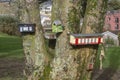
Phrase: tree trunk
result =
(34, 45)
(71, 63)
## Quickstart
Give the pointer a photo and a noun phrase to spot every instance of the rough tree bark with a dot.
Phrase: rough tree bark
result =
(33, 44)
(69, 62)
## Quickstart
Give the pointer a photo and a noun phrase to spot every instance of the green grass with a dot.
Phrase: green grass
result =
(112, 58)
(10, 46)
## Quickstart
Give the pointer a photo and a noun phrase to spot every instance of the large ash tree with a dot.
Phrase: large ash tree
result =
(69, 62)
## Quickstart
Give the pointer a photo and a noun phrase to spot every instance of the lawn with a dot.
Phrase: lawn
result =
(112, 58)
(10, 46)
(111, 65)
(12, 60)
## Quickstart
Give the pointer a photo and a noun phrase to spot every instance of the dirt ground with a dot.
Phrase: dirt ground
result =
(14, 68)
(11, 68)
(106, 74)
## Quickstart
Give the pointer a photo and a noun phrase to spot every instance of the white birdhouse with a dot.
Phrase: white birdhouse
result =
(86, 39)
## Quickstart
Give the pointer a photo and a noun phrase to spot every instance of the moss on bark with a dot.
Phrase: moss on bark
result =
(35, 50)
(69, 63)
(81, 56)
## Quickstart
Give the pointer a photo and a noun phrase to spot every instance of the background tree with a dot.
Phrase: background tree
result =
(114, 4)
(8, 17)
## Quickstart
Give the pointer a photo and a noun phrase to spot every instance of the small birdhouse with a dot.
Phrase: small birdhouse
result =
(86, 39)
(57, 26)
(27, 28)
(90, 67)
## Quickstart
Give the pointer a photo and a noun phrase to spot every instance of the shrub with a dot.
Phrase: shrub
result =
(109, 41)
(119, 37)
(8, 24)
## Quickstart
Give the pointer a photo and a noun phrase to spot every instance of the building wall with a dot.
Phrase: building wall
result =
(112, 20)
(6, 9)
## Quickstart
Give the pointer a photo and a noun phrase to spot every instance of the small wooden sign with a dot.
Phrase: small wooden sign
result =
(27, 28)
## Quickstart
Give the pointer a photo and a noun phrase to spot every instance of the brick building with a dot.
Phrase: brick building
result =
(112, 20)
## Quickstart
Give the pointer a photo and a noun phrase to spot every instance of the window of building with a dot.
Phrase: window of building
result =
(117, 26)
(108, 19)
(117, 20)
(107, 27)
